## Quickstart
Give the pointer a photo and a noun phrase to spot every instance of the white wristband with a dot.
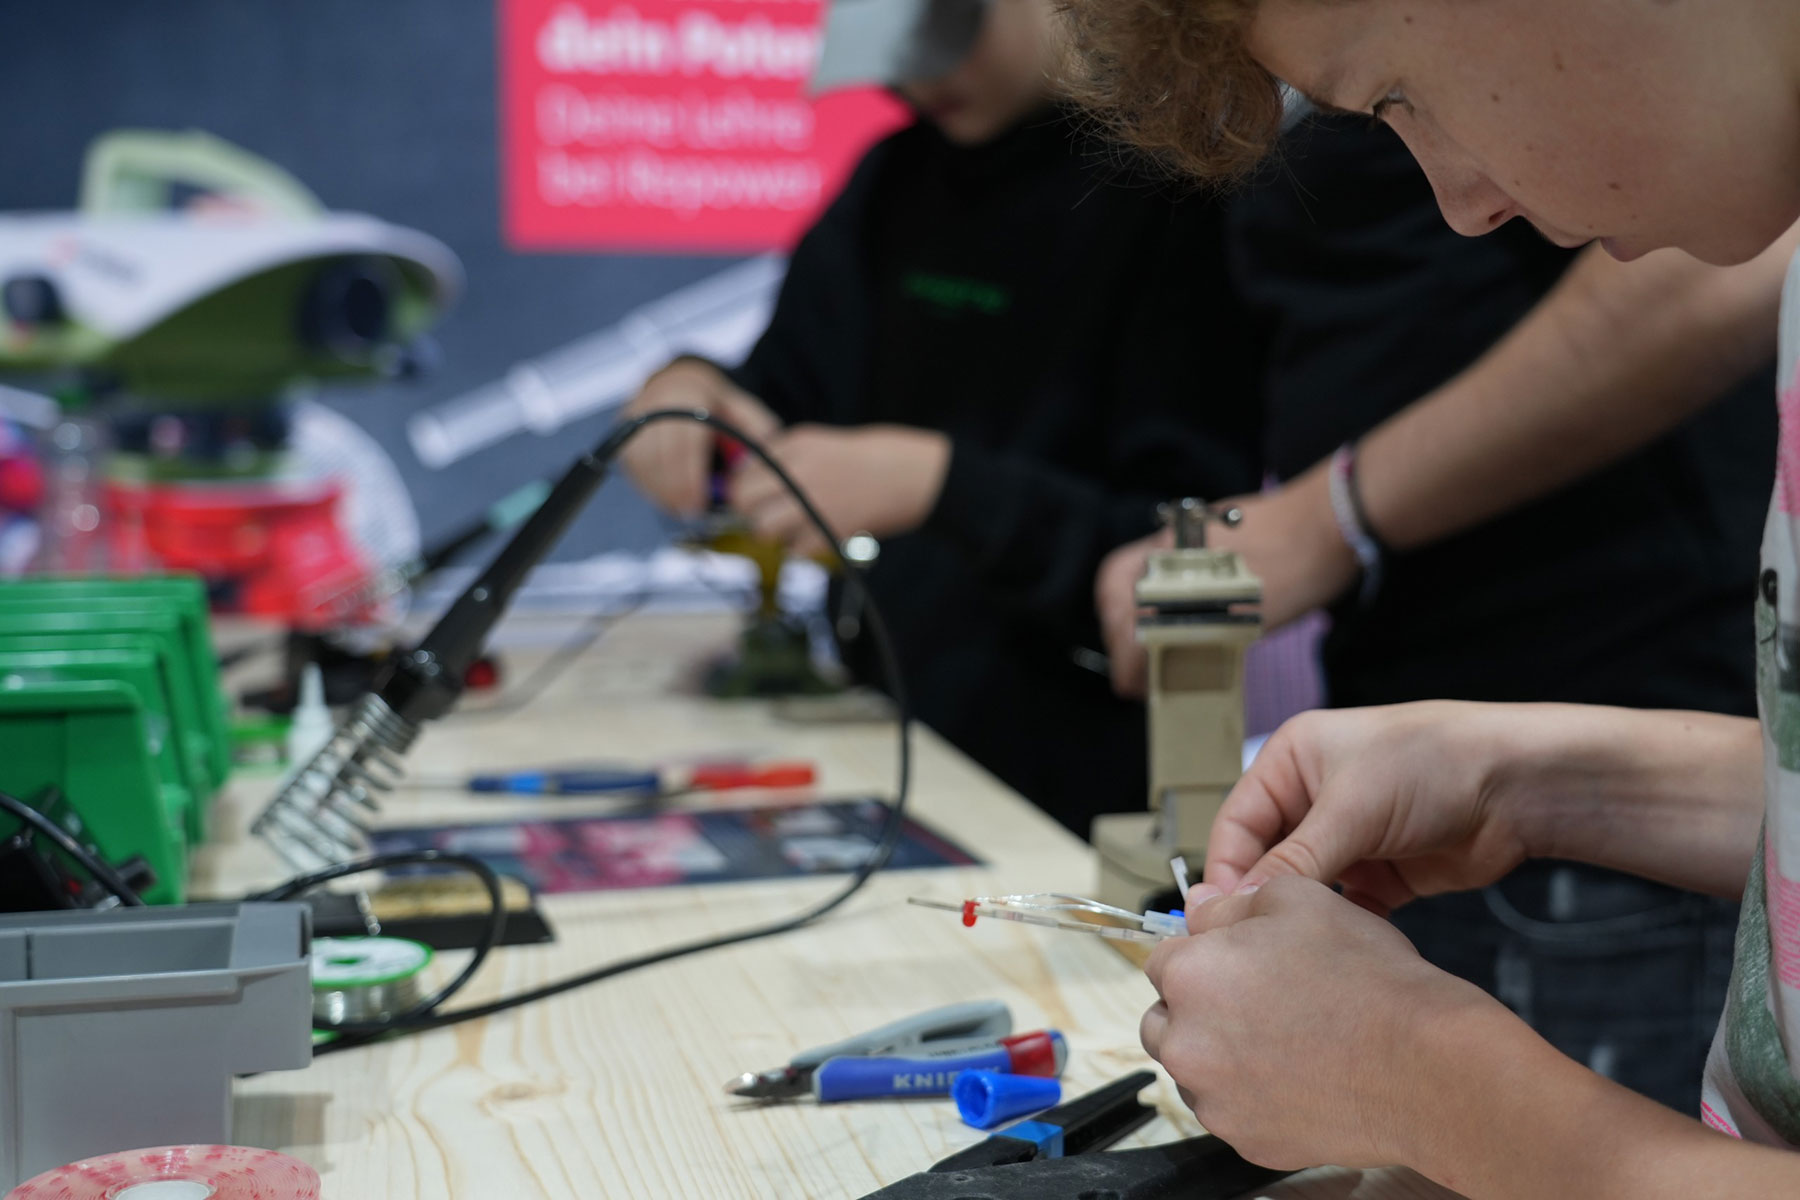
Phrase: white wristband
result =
(1351, 525)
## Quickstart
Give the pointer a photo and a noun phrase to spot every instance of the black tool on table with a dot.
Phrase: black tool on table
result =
(1056, 1156)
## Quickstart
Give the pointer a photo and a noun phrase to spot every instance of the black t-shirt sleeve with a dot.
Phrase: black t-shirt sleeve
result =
(810, 355)
(1177, 414)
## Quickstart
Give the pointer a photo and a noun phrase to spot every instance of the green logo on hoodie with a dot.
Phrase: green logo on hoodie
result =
(957, 295)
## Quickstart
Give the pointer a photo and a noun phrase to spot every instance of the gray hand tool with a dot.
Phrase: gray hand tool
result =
(953, 1029)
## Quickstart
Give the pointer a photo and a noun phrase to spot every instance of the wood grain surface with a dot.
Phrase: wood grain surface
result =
(617, 1089)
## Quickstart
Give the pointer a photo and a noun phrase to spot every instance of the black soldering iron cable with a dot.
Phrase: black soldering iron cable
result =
(423, 1015)
(416, 1021)
(496, 927)
(97, 869)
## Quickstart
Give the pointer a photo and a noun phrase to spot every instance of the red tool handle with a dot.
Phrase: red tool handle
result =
(1040, 1052)
(721, 777)
(731, 451)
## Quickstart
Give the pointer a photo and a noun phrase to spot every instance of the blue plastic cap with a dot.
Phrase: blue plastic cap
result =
(986, 1098)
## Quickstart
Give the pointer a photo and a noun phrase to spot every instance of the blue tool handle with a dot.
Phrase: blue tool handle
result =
(855, 1078)
(566, 783)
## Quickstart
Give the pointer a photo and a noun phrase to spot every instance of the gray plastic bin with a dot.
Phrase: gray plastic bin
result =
(123, 1029)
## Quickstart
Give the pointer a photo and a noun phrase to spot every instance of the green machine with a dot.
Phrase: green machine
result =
(109, 695)
(177, 312)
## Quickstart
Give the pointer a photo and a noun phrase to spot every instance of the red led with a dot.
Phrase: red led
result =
(968, 912)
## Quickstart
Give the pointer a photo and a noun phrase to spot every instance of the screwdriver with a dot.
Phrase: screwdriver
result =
(593, 781)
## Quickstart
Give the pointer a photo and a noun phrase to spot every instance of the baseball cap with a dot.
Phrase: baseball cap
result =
(890, 41)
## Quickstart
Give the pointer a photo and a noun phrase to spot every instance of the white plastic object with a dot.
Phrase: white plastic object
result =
(1045, 909)
(311, 727)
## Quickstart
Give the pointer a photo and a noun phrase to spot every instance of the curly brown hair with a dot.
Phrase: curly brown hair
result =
(1173, 78)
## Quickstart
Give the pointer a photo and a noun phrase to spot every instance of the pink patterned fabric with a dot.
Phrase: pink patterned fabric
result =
(1784, 919)
(1787, 458)
(1710, 1116)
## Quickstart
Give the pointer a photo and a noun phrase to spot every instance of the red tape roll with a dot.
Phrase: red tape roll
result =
(177, 1173)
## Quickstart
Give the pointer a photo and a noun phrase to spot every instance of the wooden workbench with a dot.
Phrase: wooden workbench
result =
(616, 1090)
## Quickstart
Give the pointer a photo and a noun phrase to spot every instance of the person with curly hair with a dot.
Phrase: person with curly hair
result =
(1301, 1026)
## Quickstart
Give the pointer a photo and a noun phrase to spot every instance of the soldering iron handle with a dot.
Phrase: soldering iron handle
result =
(426, 682)
(458, 638)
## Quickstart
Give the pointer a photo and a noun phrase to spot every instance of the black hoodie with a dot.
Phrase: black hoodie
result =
(1069, 327)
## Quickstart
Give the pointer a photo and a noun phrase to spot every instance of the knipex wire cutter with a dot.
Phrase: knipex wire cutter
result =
(918, 1056)
(1055, 1156)
(1075, 914)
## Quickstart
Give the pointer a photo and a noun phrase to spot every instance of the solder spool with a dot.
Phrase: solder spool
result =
(361, 980)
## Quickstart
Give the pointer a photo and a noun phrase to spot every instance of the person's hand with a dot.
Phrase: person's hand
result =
(671, 461)
(1393, 803)
(1305, 1031)
(1115, 602)
(877, 479)
(1288, 539)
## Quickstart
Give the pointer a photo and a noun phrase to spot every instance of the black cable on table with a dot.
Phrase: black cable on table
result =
(496, 928)
(97, 869)
(424, 1014)
(421, 1017)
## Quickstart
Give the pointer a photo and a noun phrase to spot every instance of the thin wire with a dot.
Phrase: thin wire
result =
(891, 831)
(98, 870)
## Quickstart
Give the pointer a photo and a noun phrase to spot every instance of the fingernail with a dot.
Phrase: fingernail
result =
(1200, 893)
(1246, 889)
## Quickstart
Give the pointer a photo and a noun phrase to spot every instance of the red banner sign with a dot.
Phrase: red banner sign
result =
(671, 125)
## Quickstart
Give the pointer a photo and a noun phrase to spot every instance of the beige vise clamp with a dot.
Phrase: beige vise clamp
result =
(1199, 614)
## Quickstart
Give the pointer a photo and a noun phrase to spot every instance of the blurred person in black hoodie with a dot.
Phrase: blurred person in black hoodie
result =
(996, 352)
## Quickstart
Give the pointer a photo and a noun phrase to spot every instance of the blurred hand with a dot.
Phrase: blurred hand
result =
(671, 461)
(1115, 602)
(1394, 803)
(878, 479)
(1291, 541)
(1303, 1030)
(1287, 537)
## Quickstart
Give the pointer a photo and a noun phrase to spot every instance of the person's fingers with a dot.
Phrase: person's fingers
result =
(1158, 962)
(687, 452)
(1130, 662)
(664, 463)
(807, 541)
(1197, 895)
(1152, 1029)
(1130, 671)
(752, 486)
(1115, 602)
(750, 415)
(778, 520)
(1322, 847)
(1261, 809)
(1224, 910)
